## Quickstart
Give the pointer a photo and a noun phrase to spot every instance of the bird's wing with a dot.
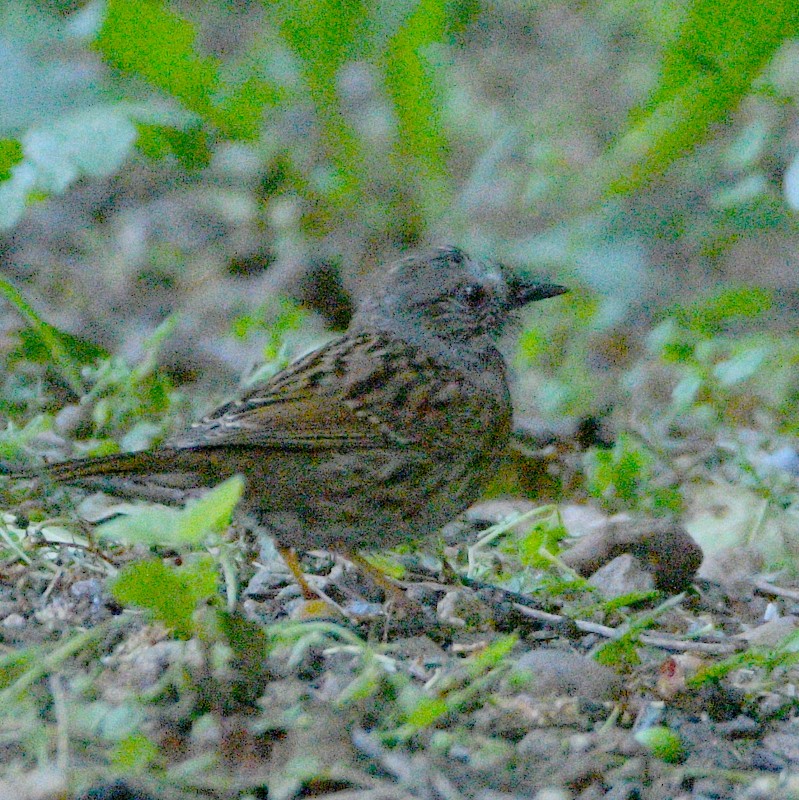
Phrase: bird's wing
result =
(304, 407)
(362, 390)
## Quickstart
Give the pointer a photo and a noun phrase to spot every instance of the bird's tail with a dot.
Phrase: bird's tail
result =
(121, 464)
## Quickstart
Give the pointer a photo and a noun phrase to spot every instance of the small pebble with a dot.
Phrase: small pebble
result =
(621, 576)
(552, 793)
(14, 621)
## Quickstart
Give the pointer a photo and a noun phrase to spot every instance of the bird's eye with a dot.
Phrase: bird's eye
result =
(474, 296)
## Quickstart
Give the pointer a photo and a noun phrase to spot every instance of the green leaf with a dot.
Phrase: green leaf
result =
(622, 475)
(722, 47)
(544, 535)
(170, 594)
(325, 35)
(10, 154)
(19, 671)
(741, 366)
(212, 512)
(708, 316)
(182, 529)
(248, 642)
(629, 468)
(617, 653)
(685, 392)
(58, 345)
(33, 347)
(190, 146)
(726, 37)
(492, 655)
(16, 663)
(14, 441)
(145, 38)
(677, 352)
(410, 81)
(239, 110)
(134, 753)
(148, 525)
(667, 499)
(427, 711)
(629, 600)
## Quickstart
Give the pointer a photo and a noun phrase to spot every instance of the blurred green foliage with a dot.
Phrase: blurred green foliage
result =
(623, 478)
(541, 541)
(10, 154)
(710, 61)
(200, 521)
(119, 406)
(662, 743)
(43, 342)
(567, 385)
(148, 40)
(721, 375)
(707, 69)
(170, 594)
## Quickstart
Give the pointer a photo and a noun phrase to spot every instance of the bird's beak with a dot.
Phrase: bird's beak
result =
(527, 291)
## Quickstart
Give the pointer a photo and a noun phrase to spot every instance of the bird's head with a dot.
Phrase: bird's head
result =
(451, 294)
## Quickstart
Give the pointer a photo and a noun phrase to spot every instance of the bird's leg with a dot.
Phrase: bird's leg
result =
(289, 555)
(392, 590)
(317, 604)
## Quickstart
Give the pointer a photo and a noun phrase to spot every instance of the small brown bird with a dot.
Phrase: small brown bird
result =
(376, 438)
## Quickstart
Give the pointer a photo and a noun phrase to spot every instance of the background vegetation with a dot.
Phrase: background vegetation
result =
(190, 191)
(160, 158)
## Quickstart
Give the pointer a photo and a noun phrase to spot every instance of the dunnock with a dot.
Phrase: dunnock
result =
(376, 438)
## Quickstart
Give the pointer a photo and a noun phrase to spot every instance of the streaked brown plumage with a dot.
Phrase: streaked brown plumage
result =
(378, 437)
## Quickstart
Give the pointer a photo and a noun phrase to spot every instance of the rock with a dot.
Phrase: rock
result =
(784, 745)
(771, 633)
(674, 674)
(14, 622)
(562, 672)
(733, 568)
(662, 546)
(723, 518)
(624, 575)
